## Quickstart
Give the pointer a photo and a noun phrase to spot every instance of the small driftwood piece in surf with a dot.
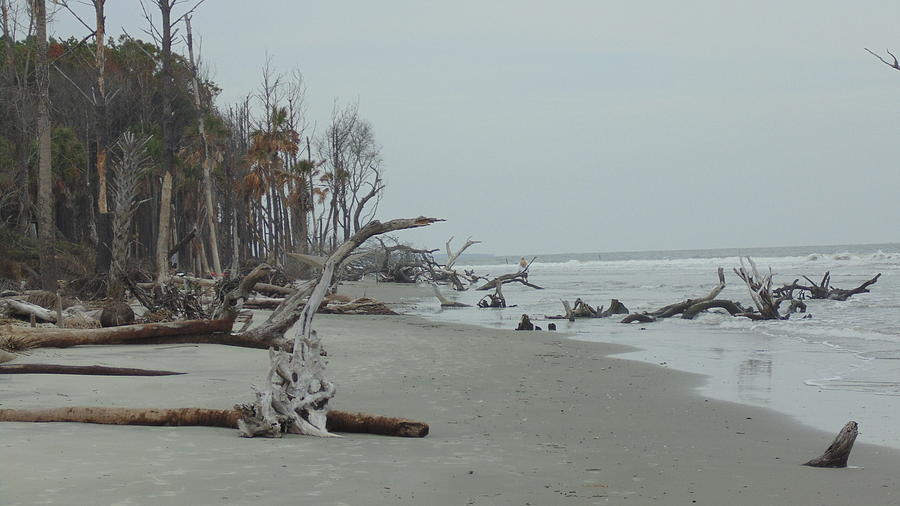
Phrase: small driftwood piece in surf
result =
(89, 370)
(493, 300)
(445, 302)
(838, 452)
(338, 421)
(823, 289)
(582, 309)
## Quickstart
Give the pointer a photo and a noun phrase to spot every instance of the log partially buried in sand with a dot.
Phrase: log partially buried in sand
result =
(837, 454)
(92, 370)
(338, 421)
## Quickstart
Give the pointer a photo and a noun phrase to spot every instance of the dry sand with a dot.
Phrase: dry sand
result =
(516, 418)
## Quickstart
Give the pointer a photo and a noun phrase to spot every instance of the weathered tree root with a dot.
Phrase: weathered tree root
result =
(837, 454)
(338, 421)
(92, 370)
(584, 310)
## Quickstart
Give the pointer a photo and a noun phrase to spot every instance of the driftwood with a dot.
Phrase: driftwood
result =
(362, 305)
(294, 397)
(515, 277)
(584, 310)
(445, 302)
(93, 370)
(446, 272)
(263, 302)
(493, 300)
(679, 307)
(27, 309)
(189, 331)
(823, 289)
(838, 452)
(338, 421)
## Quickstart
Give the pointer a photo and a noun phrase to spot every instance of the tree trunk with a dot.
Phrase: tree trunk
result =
(44, 193)
(187, 331)
(339, 421)
(162, 243)
(211, 215)
(92, 370)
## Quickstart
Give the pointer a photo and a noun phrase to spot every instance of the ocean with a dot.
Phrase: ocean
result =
(840, 364)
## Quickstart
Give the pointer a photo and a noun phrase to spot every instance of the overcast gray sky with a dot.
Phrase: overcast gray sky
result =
(576, 126)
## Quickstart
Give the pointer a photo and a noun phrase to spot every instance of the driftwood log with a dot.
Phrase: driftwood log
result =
(823, 289)
(514, 277)
(582, 309)
(445, 302)
(338, 421)
(189, 331)
(838, 452)
(91, 370)
(679, 307)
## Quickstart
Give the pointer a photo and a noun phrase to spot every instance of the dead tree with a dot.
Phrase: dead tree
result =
(295, 395)
(337, 421)
(515, 277)
(823, 289)
(446, 271)
(679, 307)
(838, 452)
(582, 309)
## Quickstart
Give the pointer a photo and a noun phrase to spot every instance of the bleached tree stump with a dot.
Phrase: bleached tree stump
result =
(296, 392)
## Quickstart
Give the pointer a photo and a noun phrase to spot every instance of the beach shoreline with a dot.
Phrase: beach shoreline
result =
(516, 418)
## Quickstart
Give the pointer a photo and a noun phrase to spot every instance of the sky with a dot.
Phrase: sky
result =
(592, 126)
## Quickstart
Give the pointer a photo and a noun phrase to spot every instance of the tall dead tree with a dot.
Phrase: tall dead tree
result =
(295, 395)
(44, 194)
(207, 161)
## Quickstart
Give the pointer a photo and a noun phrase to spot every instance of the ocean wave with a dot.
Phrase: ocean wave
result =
(879, 257)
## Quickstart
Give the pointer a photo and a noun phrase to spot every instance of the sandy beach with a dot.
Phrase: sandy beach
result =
(516, 418)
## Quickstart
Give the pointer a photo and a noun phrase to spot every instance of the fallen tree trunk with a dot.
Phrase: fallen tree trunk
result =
(339, 421)
(838, 452)
(188, 331)
(679, 307)
(732, 307)
(91, 370)
(263, 303)
(515, 277)
(22, 308)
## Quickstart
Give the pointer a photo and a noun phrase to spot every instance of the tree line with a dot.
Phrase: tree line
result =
(116, 147)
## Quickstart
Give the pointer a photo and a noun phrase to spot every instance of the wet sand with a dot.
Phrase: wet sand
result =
(516, 418)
